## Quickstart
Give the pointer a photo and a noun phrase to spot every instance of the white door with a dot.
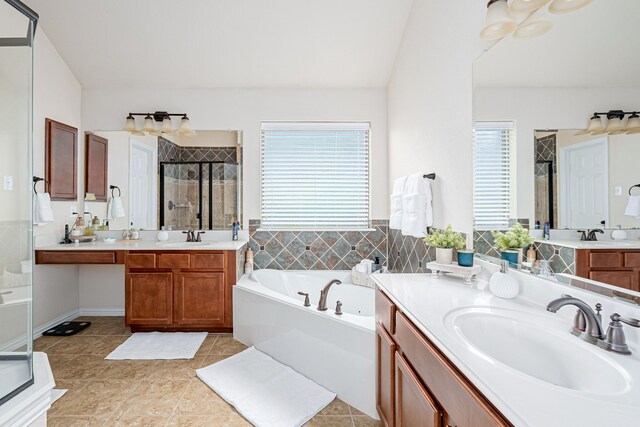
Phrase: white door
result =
(142, 186)
(584, 177)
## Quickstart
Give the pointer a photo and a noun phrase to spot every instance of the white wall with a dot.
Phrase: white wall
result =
(57, 95)
(545, 108)
(430, 96)
(244, 109)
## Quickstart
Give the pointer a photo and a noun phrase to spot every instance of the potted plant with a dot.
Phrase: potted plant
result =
(445, 242)
(511, 243)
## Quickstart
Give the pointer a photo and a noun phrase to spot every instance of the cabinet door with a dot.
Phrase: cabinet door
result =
(385, 376)
(414, 405)
(624, 279)
(61, 160)
(200, 299)
(96, 169)
(148, 298)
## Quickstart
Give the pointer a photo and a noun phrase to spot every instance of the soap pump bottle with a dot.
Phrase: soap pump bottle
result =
(502, 284)
(235, 229)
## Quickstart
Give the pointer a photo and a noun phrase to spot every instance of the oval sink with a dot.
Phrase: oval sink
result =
(182, 245)
(533, 345)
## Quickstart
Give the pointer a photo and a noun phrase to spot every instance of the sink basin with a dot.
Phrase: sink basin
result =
(535, 346)
(183, 245)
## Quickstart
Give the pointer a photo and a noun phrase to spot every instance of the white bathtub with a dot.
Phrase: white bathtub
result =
(337, 352)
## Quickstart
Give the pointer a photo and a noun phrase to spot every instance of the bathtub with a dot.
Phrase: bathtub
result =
(337, 352)
(15, 310)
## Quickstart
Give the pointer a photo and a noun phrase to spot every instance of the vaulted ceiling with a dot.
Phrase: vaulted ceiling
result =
(226, 43)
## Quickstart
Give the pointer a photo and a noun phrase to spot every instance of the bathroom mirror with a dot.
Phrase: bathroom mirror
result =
(172, 181)
(17, 29)
(546, 89)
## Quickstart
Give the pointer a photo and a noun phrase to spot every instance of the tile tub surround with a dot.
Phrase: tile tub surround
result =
(408, 254)
(316, 250)
(148, 392)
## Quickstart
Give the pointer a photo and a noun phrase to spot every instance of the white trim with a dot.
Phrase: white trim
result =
(37, 332)
(100, 312)
(152, 174)
(563, 182)
(311, 125)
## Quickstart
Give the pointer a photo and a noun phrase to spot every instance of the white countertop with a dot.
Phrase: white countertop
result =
(145, 245)
(524, 400)
(600, 244)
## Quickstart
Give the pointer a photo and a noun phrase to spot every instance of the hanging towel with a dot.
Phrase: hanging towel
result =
(417, 209)
(42, 212)
(633, 207)
(395, 219)
(115, 209)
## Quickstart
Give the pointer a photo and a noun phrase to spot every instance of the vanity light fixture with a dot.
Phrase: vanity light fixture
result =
(498, 22)
(149, 127)
(526, 6)
(633, 123)
(615, 123)
(566, 6)
(534, 28)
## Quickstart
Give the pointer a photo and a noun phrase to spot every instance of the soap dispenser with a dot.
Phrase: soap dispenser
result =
(502, 284)
(619, 234)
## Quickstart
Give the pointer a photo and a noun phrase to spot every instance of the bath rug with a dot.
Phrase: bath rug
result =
(264, 391)
(57, 393)
(159, 345)
(66, 329)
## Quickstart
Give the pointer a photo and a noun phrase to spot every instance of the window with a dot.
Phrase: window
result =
(315, 175)
(491, 175)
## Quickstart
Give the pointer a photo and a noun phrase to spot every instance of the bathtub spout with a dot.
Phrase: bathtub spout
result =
(322, 304)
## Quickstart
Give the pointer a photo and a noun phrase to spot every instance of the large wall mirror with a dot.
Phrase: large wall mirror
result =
(173, 181)
(535, 161)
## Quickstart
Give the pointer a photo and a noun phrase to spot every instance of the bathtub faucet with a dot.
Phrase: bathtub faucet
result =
(322, 304)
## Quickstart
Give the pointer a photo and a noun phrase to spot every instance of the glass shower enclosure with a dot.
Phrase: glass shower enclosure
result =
(17, 30)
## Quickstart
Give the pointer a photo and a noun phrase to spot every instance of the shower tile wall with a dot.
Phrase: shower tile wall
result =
(317, 250)
(546, 152)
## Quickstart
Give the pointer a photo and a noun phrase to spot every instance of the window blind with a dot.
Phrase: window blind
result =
(315, 175)
(491, 175)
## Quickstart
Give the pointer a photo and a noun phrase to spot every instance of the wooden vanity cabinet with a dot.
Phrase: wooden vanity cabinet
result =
(427, 389)
(618, 267)
(179, 290)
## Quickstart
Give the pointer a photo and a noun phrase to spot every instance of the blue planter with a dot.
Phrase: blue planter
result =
(465, 259)
(512, 257)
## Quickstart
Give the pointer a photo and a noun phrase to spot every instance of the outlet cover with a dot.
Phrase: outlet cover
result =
(8, 183)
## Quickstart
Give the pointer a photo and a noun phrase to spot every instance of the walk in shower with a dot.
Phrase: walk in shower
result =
(17, 30)
(199, 195)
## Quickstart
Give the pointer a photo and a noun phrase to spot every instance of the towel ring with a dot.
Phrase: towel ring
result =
(632, 187)
(115, 187)
(37, 179)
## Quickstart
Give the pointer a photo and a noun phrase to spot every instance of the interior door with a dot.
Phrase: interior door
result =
(585, 184)
(142, 187)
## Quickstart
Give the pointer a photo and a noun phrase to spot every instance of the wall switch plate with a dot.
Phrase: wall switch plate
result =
(618, 190)
(8, 183)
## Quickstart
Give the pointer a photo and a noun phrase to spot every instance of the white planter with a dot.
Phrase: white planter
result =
(444, 256)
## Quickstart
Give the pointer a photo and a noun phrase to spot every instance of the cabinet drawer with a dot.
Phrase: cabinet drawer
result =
(632, 259)
(174, 260)
(141, 260)
(414, 405)
(385, 312)
(212, 261)
(606, 259)
(623, 279)
(77, 257)
(462, 403)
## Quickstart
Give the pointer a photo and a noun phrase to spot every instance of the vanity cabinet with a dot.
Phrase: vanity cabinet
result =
(618, 267)
(179, 290)
(417, 385)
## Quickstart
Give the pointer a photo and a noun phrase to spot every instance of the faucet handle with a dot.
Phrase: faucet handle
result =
(339, 308)
(307, 303)
(200, 233)
(628, 320)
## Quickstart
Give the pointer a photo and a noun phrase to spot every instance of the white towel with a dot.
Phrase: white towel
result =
(42, 212)
(633, 207)
(395, 218)
(115, 209)
(417, 208)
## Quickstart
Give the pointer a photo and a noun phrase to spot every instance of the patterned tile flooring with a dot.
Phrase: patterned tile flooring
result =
(148, 392)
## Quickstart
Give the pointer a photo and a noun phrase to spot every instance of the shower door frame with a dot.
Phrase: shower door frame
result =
(200, 205)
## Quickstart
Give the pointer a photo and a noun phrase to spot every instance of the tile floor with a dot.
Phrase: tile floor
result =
(148, 393)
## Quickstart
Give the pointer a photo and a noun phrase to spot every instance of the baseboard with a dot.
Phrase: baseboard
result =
(102, 312)
(37, 332)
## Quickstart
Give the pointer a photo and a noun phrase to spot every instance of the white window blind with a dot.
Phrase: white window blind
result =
(315, 175)
(491, 175)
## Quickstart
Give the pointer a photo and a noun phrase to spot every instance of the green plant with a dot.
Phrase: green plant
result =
(446, 239)
(516, 238)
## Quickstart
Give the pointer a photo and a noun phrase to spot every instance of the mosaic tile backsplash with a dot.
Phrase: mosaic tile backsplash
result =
(317, 250)
(408, 254)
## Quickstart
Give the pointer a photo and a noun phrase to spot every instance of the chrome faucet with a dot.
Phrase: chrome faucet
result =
(593, 330)
(322, 304)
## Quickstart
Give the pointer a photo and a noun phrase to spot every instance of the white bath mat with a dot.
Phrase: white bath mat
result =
(264, 391)
(159, 345)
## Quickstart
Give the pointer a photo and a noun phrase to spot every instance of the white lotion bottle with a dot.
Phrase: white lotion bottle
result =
(502, 284)
(619, 234)
(163, 235)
